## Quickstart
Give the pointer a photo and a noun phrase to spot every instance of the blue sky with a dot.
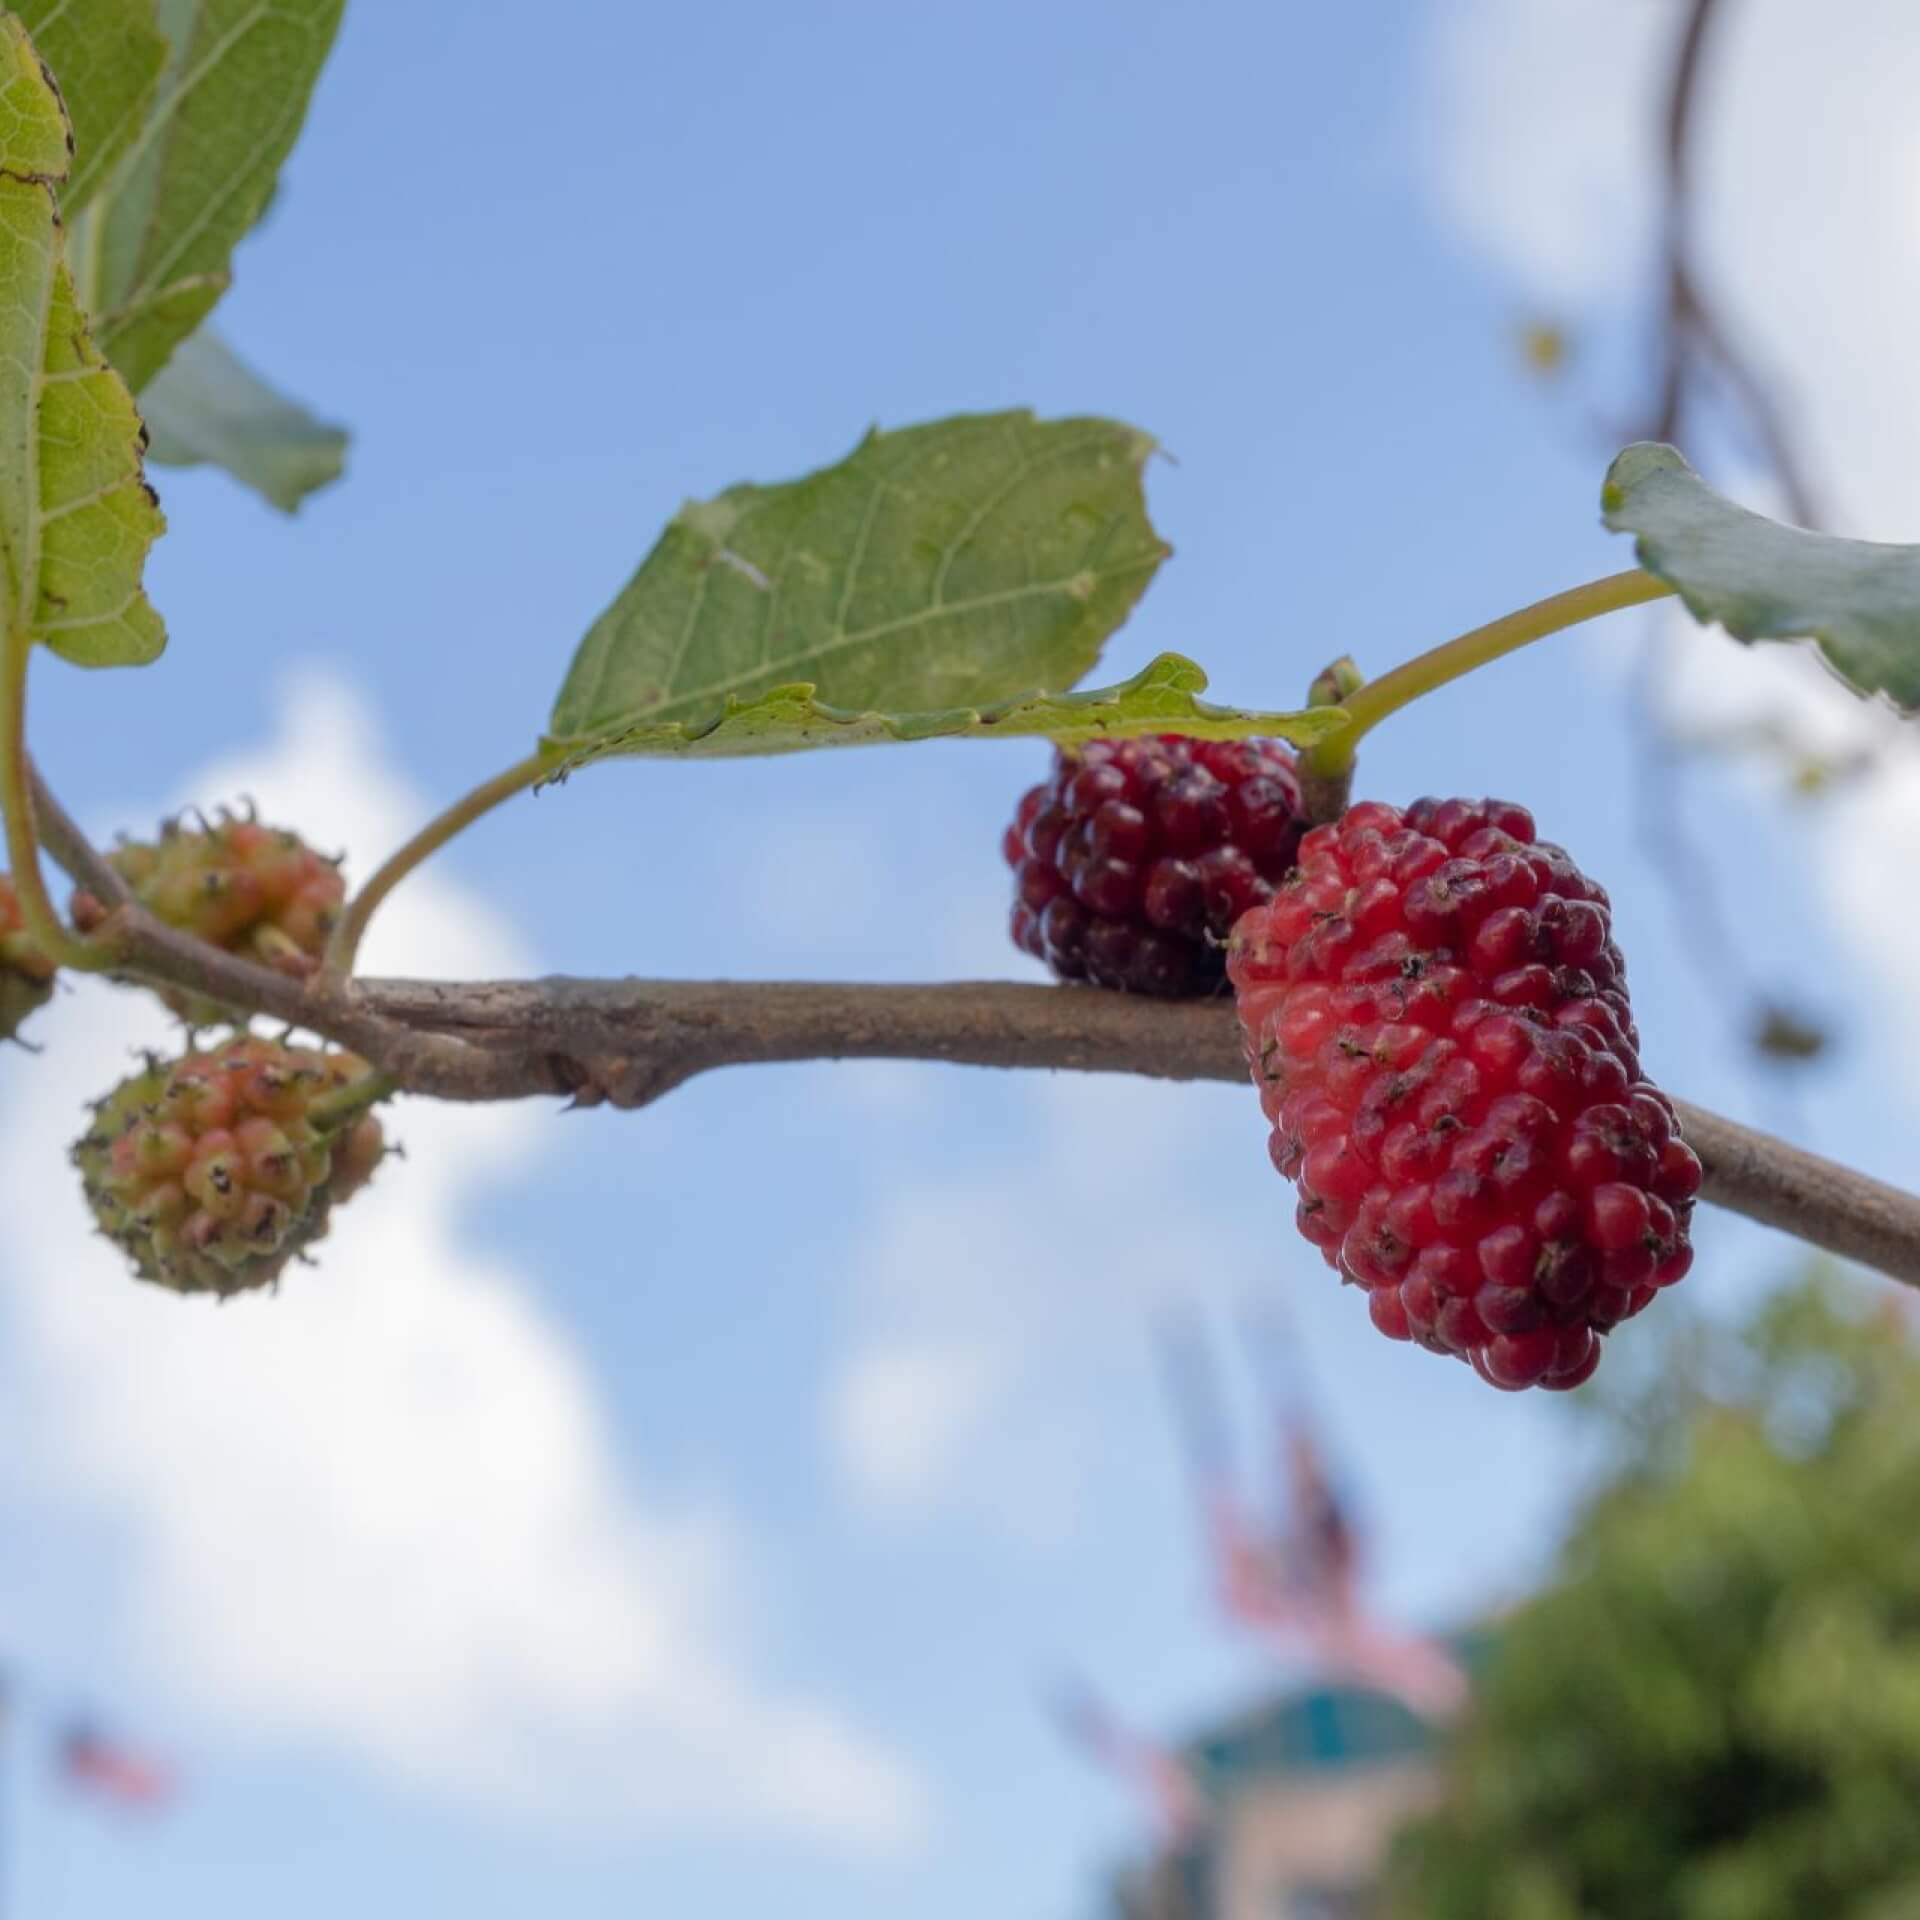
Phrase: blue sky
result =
(815, 1406)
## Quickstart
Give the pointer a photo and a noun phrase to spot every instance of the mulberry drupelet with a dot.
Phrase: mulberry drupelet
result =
(209, 1172)
(1436, 1017)
(1135, 859)
(249, 889)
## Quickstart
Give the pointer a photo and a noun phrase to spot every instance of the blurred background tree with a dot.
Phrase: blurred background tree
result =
(1713, 1713)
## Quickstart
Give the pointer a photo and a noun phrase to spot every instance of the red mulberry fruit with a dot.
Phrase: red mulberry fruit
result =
(1135, 859)
(1436, 1017)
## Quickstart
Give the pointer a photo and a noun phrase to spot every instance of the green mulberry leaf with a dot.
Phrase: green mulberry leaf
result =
(76, 514)
(106, 56)
(1859, 599)
(937, 569)
(207, 405)
(159, 237)
(1162, 698)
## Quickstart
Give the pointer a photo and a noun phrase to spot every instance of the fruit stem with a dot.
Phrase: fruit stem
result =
(344, 948)
(1374, 701)
(345, 1105)
(42, 919)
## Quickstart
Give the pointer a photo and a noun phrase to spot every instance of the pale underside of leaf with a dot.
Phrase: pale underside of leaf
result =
(1859, 599)
(229, 106)
(936, 568)
(207, 405)
(106, 56)
(1162, 698)
(76, 515)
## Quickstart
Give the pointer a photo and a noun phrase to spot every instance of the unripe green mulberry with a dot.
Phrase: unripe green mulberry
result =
(209, 1173)
(260, 892)
(26, 974)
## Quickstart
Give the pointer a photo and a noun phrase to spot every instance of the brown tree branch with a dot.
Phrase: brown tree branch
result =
(141, 948)
(82, 861)
(629, 1041)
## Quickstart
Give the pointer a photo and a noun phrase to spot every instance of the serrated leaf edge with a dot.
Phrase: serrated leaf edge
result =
(1095, 713)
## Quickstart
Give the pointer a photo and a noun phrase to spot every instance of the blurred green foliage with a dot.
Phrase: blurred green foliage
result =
(1713, 1713)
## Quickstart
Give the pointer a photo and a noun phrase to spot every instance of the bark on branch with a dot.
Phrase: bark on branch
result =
(627, 1042)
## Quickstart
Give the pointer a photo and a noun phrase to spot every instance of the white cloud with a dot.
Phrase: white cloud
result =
(904, 1411)
(1545, 122)
(1546, 130)
(1543, 127)
(382, 1510)
(988, 1295)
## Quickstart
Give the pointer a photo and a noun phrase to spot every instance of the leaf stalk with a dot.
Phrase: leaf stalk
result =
(1333, 757)
(344, 948)
(43, 922)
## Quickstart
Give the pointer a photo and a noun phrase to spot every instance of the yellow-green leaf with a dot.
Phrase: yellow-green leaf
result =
(76, 514)
(106, 56)
(1162, 698)
(229, 106)
(942, 567)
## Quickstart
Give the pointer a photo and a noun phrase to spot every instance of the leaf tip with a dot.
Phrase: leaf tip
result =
(1631, 469)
